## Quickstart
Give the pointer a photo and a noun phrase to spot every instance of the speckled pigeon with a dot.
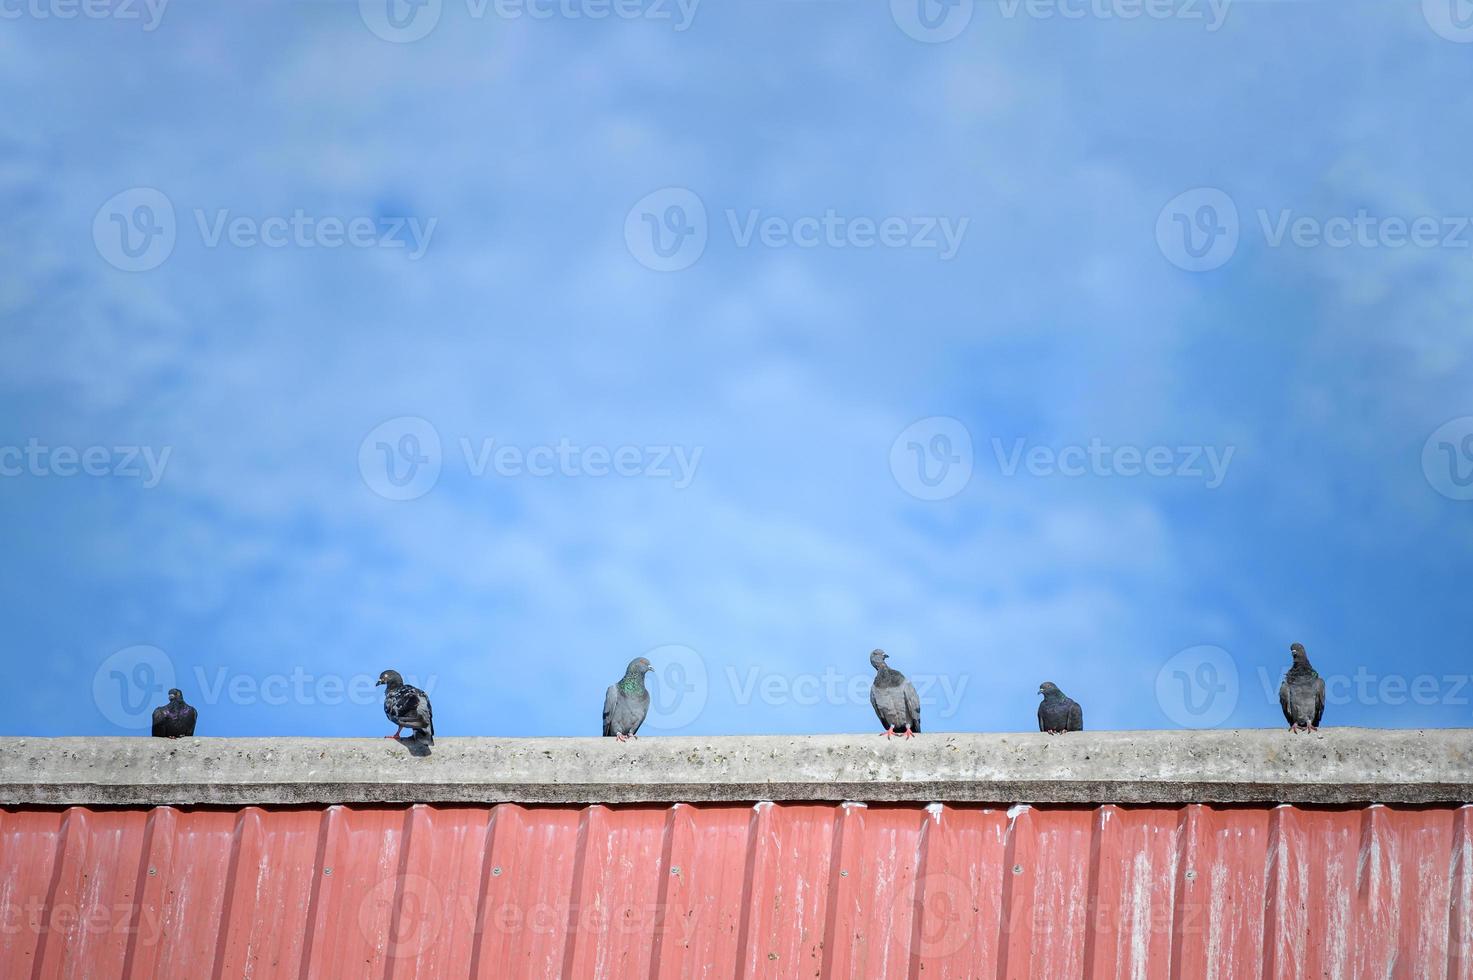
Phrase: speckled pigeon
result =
(894, 698)
(1057, 712)
(175, 719)
(407, 706)
(627, 702)
(1302, 695)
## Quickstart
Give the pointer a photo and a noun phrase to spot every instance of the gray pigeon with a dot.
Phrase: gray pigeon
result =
(627, 702)
(1302, 695)
(1057, 712)
(407, 706)
(175, 719)
(894, 698)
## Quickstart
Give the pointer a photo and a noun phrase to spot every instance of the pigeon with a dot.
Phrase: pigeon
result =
(1302, 695)
(175, 719)
(1057, 712)
(627, 702)
(406, 706)
(894, 698)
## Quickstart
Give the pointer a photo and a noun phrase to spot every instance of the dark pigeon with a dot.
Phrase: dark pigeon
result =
(627, 702)
(1302, 695)
(1057, 712)
(175, 719)
(894, 698)
(407, 706)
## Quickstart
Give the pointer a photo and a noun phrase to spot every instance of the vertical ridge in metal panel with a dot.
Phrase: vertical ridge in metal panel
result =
(140, 881)
(662, 890)
(580, 861)
(396, 904)
(831, 897)
(1460, 898)
(227, 907)
(749, 876)
(929, 824)
(484, 889)
(1184, 901)
(1009, 891)
(74, 817)
(1092, 888)
(1272, 888)
(329, 815)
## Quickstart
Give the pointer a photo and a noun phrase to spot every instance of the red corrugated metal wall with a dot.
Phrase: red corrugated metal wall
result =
(785, 890)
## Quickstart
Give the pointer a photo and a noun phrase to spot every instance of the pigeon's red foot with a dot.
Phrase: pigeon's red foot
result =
(909, 733)
(890, 732)
(622, 737)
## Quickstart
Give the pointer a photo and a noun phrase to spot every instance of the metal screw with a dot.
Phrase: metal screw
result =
(843, 874)
(675, 870)
(152, 872)
(327, 872)
(1191, 875)
(496, 871)
(1017, 869)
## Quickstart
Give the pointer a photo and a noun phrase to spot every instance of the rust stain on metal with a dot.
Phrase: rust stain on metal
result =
(738, 891)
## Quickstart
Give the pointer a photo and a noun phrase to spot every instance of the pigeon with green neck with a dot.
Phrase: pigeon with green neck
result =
(627, 702)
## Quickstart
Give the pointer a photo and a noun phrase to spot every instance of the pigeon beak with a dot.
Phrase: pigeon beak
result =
(379, 682)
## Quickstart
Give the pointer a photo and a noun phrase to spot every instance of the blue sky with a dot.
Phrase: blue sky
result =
(1116, 351)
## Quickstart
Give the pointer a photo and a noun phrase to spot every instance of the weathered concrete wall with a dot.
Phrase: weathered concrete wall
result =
(1334, 766)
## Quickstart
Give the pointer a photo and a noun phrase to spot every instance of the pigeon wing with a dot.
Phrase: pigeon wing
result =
(1319, 699)
(1076, 717)
(187, 719)
(160, 722)
(611, 704)
(912, 706)
(424, 711)
(1284, 700)
(1041, 725)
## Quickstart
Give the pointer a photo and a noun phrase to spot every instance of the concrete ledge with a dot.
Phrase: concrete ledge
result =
(1334, 766)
